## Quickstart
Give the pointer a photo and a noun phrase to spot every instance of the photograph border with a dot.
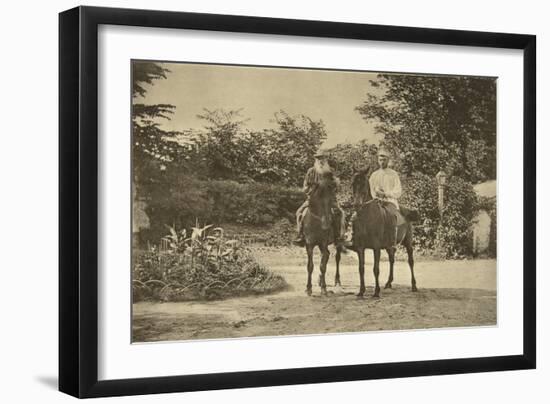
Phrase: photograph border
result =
(78, 200)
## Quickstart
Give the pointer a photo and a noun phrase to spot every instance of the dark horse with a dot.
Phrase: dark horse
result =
(372, 228)
(320, 230)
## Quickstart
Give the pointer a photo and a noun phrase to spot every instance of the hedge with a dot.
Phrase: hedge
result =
(452, 235)
(260, 204)
(219, 202)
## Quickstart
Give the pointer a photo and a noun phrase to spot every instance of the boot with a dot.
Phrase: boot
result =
(300, 240)
(341, 243)
(349, 245)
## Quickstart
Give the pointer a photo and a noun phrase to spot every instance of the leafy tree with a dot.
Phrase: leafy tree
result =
(145, 73)
(220, 143)
(435, 122)
(349, 158)
(280, 155)
(283, 154)
(151, 146)
(292, 145)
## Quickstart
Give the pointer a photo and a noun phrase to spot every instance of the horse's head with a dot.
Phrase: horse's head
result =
(361, 187)
(320, 200)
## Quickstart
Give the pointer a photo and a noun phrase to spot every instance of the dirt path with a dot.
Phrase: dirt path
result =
(451, 293)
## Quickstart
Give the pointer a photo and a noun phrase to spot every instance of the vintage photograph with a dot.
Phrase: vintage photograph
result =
(274, 201)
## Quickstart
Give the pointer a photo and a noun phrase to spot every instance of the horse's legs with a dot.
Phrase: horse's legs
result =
(337, 277)
(324, 260)
(411, 265)
(361, 256)
(376, 270)
(309, 250)
(391, 257)
(407, 242)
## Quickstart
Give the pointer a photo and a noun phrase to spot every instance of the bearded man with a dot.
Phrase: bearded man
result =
(312, 179)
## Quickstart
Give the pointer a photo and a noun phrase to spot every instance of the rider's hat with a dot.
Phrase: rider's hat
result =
(320, 154)
(383, 152)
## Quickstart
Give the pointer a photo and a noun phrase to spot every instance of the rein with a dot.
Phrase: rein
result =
(367, 203)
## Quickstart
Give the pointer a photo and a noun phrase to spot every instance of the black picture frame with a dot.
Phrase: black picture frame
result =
(78, 201)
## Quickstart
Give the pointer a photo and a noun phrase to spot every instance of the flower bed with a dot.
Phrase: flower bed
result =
(203, 266)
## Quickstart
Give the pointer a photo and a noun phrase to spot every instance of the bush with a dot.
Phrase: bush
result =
(203, 266)
(281, 234)
(252, 203)
(453, 237)
(220, 201)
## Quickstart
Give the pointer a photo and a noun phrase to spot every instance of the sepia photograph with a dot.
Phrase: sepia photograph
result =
(272, 201)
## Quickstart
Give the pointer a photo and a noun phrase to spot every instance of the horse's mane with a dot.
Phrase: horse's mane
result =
(329, 180)
(327, 184)
(360, 186)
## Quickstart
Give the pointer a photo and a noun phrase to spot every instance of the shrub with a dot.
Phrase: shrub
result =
(205, 266)
(220, 201)
(281, 234)
(453, 236)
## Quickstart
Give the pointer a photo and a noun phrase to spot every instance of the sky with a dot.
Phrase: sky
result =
(260, 92)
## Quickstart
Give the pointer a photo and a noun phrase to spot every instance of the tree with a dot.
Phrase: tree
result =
(151, 146)
(435, 122)
(220, 143)
(349, 158)
(293, 144)
(281, 155)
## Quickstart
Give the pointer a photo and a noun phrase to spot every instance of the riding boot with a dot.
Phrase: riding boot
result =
(299, 241)
(348, 244)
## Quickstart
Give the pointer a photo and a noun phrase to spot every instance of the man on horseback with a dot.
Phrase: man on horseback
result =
(312, 179)
(379, 223)
(385, 184)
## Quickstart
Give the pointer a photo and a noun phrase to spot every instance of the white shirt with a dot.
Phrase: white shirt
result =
(386, 180)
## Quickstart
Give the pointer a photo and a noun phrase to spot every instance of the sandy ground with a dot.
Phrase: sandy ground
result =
(451, 294)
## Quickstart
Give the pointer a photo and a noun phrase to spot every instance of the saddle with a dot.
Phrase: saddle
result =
(391, 218)
(394, 218)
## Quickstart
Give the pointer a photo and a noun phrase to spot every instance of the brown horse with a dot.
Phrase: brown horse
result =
(372, 228)
(320, 230)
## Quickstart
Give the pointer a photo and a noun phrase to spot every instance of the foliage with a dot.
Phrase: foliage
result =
(225, 150)
(281, 234)
(177, 240)
(348, 159)
(151, 146)
(226, 173)
(203, 266)
(458, 212)
(434, 122)
(253, 203)
(180, 200)
(452, 237)
(284, 154)
(220, 144)
(145, 73)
